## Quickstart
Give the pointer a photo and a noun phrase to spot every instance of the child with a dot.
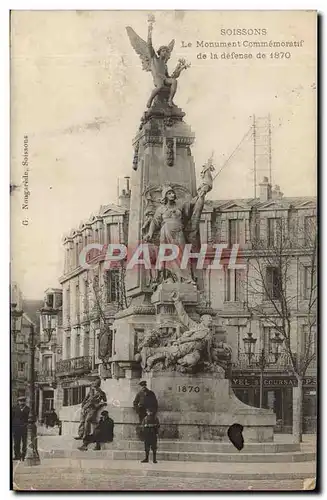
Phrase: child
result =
(150, 426)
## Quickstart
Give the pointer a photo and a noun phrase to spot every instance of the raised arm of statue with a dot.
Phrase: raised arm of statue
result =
(150, 46)
(182, 314)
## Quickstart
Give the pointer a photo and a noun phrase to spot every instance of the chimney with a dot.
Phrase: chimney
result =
(265, 190)
(125, 195)
(276, 193)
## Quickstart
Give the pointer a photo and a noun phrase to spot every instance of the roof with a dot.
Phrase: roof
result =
(296, 202)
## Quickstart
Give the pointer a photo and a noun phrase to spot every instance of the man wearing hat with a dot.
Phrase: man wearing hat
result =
(91, 404)
(20, 414)
(103, 433)
(145, 400)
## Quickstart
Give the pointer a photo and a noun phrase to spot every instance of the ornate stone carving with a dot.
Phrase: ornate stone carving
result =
(136, 155)
(192, 351)
(170, 152)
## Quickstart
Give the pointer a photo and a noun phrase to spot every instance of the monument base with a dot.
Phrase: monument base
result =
(191, 408)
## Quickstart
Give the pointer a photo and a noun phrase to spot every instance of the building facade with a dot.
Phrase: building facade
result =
(243, 297)
(50, 352)
(20, 357)
(92, 297)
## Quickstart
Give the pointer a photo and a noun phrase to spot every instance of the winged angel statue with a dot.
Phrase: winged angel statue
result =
(157, 63)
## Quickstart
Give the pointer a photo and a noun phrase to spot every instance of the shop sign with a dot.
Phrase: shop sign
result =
(244, 381)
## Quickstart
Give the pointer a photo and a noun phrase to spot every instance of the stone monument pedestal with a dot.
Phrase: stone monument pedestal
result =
(191, 408)
(202, 407)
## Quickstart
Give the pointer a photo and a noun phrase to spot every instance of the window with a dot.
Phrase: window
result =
(113, 233)
(77, 298)
(309, 229)
(86, 344)
(77, 343)
(233, 284)
(67, 347)
(86, 296)
(273, 283)
(113, 285)
(67, 297)
(74, 395)
(47, 363)
(274, 232)
(233, 231)
(49, 300)
(309, 283)
(58, 299)
(76, 254)
(21, 367)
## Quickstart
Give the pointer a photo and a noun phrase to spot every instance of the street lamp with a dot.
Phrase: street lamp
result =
(16, 318)
(276, 344)
(48, 318)
(249, 345)
(32, 454)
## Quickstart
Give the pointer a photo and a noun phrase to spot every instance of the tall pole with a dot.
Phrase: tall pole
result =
(32, 454)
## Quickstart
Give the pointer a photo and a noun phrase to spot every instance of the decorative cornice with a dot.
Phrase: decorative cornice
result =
(141, 310)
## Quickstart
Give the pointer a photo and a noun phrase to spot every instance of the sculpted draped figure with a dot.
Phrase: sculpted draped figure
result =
(178, 223)
(157, 62)
(185, 351)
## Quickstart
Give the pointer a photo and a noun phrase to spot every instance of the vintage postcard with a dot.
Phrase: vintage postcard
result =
(164, 250)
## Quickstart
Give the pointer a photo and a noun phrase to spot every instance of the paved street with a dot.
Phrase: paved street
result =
(74, 474)
(60, 479)
(90, 473)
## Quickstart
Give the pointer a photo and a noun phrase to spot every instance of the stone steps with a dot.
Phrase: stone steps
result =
(114, 454)
(209, 446)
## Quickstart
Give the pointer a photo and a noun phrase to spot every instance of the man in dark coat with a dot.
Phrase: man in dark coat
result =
(95, 399)
(150, 426)
(103, 433)
(20, 414)
(145, 399)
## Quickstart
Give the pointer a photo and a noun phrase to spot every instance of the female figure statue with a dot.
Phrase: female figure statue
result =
(179, 222)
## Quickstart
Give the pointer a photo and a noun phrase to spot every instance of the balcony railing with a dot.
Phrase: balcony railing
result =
(80, 365)
(46, 376)
(244, 362)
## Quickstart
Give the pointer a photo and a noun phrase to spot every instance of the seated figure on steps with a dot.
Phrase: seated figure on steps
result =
(92, 403)
(103, 433)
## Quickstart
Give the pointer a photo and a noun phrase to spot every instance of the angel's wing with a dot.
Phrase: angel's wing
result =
(140, 47)
(171, 46)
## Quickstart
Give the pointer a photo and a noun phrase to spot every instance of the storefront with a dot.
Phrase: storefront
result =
(278, 396)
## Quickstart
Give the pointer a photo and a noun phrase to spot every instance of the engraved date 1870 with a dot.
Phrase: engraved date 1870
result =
(188, 388)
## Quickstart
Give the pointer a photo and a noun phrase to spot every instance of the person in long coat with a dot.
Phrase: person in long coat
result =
(20, 413)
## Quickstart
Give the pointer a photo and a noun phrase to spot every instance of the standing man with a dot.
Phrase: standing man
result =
(20, 414)
(144, 400)
(150, 426)
(95, 399)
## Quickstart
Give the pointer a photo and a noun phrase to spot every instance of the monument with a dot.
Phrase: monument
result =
(165, 335)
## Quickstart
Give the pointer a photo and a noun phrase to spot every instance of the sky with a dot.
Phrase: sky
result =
(78, 92)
